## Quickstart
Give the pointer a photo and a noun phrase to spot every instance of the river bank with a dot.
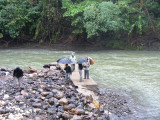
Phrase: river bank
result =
(154, 45)
(45, 95)
(57, 46)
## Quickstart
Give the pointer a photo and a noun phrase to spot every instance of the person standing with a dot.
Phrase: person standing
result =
(73, 61)
(68, 71)
(86, 70)
(80, 67)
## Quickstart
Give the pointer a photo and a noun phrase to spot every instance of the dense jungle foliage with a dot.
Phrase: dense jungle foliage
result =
(114, 23)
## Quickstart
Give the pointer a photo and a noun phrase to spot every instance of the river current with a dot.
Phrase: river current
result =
(136, 72)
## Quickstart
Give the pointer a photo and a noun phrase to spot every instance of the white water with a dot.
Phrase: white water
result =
(137, 72)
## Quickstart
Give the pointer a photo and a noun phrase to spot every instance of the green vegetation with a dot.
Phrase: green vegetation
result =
(119, 23)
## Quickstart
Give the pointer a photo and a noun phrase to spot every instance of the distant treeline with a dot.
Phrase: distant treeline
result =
(111, 22)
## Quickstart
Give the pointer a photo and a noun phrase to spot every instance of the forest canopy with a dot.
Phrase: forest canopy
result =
(115, 22)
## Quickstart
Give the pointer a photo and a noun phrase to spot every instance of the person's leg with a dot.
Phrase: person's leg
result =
(80, 73)
(73, 67)
(19, 82)
(66, 77)
(88, 75)
(84, 74)
(69, 76)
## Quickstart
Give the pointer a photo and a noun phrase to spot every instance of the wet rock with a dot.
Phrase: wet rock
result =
(3, 111)
(45, 107)
(6, 96)
(81, 111)
(66, 116)
(37, 100)
(38, 118)
(74, 111)
(24, 93)
(60, 109)
(66, 108)
(51, 73)
(76, 117)
(63, 101)
(40, 90)
(51, 101)
(2, 103)
(36, 105)
(45, 93)
(51, 110)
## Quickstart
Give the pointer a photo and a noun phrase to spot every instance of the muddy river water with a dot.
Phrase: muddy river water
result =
(136, 72)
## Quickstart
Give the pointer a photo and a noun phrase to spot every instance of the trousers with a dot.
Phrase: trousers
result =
(72, 67)
(67, 76)
(80, 73)
(86, 74)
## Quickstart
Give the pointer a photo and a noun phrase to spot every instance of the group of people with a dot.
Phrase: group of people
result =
(71, 69)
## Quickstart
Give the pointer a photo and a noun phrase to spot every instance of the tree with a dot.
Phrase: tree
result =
(15, 15)
(100, 18)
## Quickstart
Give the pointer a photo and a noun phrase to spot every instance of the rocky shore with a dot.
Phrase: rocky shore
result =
(45, 95)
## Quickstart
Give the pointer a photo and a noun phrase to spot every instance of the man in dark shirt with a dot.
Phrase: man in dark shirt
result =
(68, 71)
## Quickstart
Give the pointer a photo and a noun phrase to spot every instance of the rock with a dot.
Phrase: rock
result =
(41, 74)
(66, 116)
(81, 111)
(2, 103)
(18, 98)
(74, 111)
(66, 108)
(55, 78)
(15, 117)
(60, 109)
(45, 93)
(32, 75)
(51, 73)
(38, 118)
(3, 111)
(63, 101)
(36, 105)
(59, 95)
(24, 93)
(51, 110)
(6, 96)
(43, 87)
(45, 107)
(76, 117)
(51, 101)
(37, 100)
(72, 105)
(7, 73)
(40, 90)
(53, 67)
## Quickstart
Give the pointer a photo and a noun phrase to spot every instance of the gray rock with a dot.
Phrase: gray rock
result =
(36, 105)
(72, 105)
(51, 110)
(3, 111)
(60, 109)
(51, 101)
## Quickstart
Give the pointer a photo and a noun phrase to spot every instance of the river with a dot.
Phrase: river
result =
(136, 72)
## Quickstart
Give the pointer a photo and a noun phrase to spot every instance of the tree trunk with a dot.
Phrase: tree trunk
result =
(152, 23)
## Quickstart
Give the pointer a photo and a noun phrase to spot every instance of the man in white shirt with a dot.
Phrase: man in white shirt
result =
(73, 61)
